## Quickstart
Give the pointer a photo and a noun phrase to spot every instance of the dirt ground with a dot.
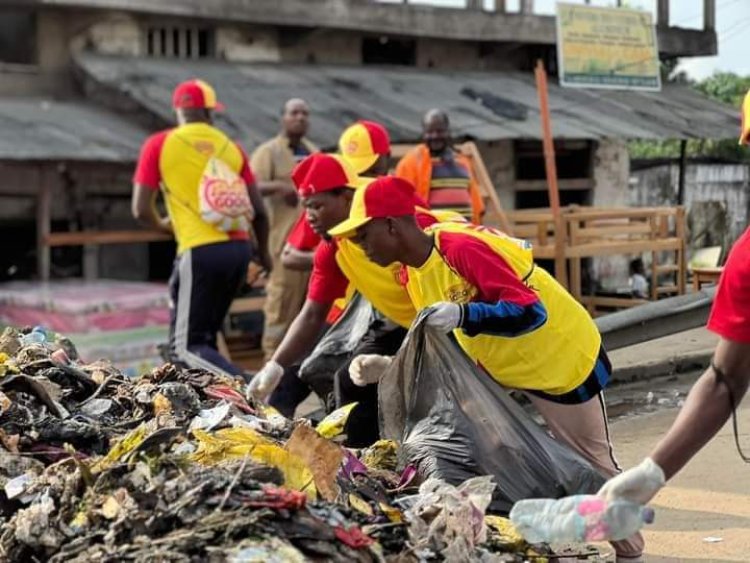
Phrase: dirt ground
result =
(709, 499)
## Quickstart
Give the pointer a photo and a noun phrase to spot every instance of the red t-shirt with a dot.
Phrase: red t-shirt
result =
(302, 237)
(730, 314)
(327, 281)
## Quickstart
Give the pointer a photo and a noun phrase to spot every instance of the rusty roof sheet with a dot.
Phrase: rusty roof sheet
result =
(482, 105)
(42, 129)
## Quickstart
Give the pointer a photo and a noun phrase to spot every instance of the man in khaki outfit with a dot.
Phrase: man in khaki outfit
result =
(272, 163)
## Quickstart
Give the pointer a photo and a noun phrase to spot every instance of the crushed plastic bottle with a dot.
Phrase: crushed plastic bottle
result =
(37, 336)
(579, 518)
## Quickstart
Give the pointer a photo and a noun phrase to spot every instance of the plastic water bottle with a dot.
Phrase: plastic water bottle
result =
(579, 518)
(36, 336)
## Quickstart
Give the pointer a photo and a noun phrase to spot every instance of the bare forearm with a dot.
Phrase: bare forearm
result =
(302, 334)
(260, 228)
(706, 409)
(271, 187)
(296, 259)
(704, 413)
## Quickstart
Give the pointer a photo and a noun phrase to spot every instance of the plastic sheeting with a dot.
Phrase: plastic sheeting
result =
(455, 422)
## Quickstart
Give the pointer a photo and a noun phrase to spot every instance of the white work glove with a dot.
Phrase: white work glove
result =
(265, 381)
(366, 369)
(638, 484)
(444, 316)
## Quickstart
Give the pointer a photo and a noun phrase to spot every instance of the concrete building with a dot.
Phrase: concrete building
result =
(118, 60)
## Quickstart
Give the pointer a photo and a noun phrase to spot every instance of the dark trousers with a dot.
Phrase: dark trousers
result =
(362, 426)
(204, 281)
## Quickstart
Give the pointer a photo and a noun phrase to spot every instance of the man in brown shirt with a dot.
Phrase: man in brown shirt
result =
(272, 163)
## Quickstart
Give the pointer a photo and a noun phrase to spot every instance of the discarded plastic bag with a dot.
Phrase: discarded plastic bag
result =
(237, 443)
(455, 422)
(336, 346)
(333, 424)
(450, 520)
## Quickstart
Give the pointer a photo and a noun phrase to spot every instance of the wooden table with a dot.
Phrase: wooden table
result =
(706, 276)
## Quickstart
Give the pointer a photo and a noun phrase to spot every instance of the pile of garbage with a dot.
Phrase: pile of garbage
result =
(177, 466)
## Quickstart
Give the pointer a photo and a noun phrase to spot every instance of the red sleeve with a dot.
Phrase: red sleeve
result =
(245, 172)
(485, 269)
(147, 170)
(302, 237)
(730, 314)
(327, 281)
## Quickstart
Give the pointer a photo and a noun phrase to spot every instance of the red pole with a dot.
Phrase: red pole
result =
(561, 270)
(549, 146)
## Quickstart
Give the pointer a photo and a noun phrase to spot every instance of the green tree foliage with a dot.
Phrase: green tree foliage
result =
(725, 87)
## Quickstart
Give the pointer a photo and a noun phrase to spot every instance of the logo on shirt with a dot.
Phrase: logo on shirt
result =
(460, 293)
(206, 148)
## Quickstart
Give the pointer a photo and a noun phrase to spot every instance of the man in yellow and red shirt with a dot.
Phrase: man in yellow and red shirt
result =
(211, 261)
(509, 316)
(326, 185)
(366, 147)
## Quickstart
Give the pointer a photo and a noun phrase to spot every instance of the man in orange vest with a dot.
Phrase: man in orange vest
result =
(442, 177)
(511, 317)
(195, 164)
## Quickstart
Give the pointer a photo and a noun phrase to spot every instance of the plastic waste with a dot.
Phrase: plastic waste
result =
(455, 422)
(238, 443)
(579, 518)
(450, 520)
(333, 424)
(36, 336)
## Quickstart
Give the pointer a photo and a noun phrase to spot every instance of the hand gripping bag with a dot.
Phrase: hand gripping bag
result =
(455, 422)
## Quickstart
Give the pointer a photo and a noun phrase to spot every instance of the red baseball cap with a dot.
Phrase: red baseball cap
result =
(363, 143)
(322, 172)
(195, 94)
(387, 196)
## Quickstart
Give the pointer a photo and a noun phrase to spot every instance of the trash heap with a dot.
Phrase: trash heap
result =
(177, 466)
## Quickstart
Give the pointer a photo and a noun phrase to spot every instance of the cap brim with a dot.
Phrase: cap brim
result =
(219, 107)
(361, 163)
(348, 228)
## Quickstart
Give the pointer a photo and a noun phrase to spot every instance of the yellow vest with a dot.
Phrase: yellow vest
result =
(555, 358)
(379, 285)
(183, 157)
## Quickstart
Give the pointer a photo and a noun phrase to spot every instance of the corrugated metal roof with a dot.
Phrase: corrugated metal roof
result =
(38, 129)
(482, 105)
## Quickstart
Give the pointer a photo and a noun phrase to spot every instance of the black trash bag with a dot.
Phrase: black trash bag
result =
(455, 422)
(335, 347)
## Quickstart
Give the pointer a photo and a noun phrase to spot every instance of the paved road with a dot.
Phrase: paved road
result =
(710, 498)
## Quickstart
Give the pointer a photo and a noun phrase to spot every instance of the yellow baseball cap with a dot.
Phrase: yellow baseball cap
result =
(745, 130)
(386, 196)
(363, 143)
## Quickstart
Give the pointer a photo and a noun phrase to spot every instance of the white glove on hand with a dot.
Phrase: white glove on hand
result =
(444, 316)
(366, 369)
(265, 381)
(638, 484)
